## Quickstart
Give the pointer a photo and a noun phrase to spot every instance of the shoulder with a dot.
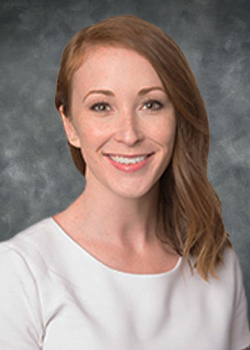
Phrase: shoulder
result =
(229, 281)
(232, 283)
(221, 302)
(46, 251)
(230, 277)
(226, 271)
(240, 333)
(31, 246)
(229, 272)
(221, 292)
(32, 233)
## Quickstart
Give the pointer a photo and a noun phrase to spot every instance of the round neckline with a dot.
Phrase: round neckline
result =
(108, 268)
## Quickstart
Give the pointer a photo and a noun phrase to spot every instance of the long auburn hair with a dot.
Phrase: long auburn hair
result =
(189, 208)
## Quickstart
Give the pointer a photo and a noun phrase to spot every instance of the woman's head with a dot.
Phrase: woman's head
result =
(164, 55)
(122, 120)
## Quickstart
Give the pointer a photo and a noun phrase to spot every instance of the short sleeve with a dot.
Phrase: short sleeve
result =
(20, 311)
(240, 327)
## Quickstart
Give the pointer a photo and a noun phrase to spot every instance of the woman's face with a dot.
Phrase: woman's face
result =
(123, 121)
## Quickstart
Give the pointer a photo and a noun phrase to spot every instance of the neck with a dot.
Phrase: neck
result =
(120, 220)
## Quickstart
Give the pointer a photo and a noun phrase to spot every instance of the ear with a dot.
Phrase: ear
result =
(70, 130)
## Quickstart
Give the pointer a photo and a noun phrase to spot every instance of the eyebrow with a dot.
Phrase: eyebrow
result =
(146, 90)
(104, 92)
(142, 92)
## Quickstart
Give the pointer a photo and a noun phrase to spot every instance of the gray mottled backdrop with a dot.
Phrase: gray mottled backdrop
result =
(37, 175)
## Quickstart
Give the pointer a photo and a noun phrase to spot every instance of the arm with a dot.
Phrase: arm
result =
(20, 314)
(240, 327)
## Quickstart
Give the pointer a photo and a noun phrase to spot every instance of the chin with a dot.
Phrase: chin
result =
(134, 192)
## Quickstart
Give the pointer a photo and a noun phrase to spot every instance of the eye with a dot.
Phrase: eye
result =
(152, 105)
(100, 107)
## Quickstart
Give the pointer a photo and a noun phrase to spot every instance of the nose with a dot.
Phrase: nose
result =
(129, 130)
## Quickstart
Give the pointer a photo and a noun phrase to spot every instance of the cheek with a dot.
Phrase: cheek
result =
(165, 132)
(92, 138)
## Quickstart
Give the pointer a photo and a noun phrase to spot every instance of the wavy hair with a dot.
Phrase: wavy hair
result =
(189, 208)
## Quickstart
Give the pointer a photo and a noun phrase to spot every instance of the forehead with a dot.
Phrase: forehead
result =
(112, 64)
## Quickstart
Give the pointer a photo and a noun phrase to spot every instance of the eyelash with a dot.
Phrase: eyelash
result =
(153, 102)
(96, 106)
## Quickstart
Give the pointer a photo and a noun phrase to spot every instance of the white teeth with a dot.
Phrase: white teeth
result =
(124, 160)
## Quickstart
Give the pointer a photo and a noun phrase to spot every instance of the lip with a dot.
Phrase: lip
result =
(128, 155)
(131, 167)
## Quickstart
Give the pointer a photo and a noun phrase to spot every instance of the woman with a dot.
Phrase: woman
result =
(141, 259)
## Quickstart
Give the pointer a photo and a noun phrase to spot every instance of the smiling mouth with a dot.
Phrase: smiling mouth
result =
(128, 160)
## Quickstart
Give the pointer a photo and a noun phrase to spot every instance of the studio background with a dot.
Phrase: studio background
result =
(37, 176)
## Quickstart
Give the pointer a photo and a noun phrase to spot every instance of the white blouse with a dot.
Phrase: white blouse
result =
(55, 295)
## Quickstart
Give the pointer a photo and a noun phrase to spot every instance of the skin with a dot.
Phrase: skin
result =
(114, 219)
(120, 108)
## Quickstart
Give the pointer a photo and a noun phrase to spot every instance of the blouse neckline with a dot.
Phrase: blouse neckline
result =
(108, 268)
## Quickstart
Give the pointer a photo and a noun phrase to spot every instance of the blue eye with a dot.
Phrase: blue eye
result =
(152, 105)
(100, 107)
